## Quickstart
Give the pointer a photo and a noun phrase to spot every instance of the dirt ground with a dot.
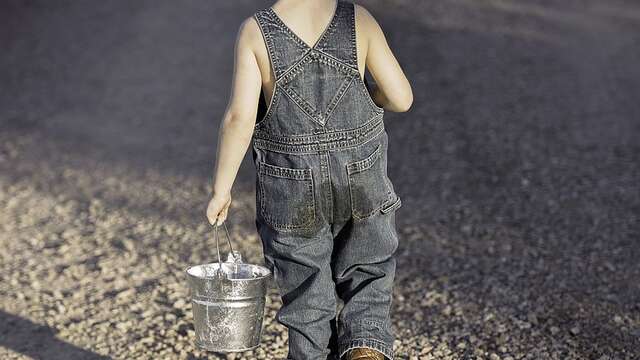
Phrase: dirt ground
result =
(518, 166)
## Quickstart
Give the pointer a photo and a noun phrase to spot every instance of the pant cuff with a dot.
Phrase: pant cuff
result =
(386, 350)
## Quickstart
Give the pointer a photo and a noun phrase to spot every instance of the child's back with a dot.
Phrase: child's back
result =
(373, 52)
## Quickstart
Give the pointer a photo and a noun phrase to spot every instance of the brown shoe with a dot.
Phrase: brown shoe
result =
(364, 354)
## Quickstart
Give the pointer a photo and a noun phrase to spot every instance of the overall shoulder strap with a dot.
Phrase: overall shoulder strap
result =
(339, 40)
(283, 47)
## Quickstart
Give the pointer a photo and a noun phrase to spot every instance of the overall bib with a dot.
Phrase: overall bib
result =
(325, 208)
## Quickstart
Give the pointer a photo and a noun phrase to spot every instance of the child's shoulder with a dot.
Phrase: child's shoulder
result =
(362, 13)
(249, 33)
(365, 21)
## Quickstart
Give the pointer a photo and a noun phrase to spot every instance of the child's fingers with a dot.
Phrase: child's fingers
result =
(217, 212)
(212, 216)
(222, 217)
(213, 212)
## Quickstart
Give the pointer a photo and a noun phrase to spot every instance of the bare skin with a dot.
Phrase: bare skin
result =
(252, 72)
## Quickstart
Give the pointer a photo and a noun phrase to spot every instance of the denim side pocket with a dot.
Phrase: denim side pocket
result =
(287, 200)
(368, 186)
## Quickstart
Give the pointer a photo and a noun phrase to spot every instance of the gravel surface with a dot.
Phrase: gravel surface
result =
(518, 166)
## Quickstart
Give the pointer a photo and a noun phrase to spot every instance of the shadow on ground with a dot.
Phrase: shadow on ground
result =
(36, 341)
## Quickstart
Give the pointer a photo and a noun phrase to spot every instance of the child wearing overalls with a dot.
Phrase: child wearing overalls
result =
(325, 207)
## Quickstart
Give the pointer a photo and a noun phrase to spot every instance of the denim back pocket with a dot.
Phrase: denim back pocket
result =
(369, 186)
(287, 200)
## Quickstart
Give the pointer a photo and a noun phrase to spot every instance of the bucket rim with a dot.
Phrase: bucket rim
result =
(257, 278)
(222, 350)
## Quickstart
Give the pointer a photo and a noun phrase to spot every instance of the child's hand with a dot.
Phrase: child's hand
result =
(218, 208)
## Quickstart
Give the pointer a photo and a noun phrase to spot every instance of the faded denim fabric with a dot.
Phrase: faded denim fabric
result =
(325, 207)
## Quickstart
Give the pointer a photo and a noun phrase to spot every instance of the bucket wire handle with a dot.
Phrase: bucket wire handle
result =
(218, 244)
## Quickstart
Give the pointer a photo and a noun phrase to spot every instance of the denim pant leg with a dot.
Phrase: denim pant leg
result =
(302, 271)
(364, 267)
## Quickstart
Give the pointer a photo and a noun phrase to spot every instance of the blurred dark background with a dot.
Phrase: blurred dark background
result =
(518, 165)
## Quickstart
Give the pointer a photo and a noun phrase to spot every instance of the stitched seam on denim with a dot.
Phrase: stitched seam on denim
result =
(295, 37)
(366, 163)
(379, 324)
(390, 192)
(313, 203)
(332, 24)
(310, 139)
(299, 174)
(275, 59)
(330, 191)
(272, 65)
(352, 25)
(277, 169)
(304, 106)
(355, 213)
(287, 33)
(301, 102)
(307, 49)
(329, 135)
(337, 61)
(395, 205)
(350, 196)
(342, 18)
(369, 339)
(315, 55)
(314, 148)
(368, 342)
(295, 68)
(356, 168)
(337, 97)
(287, 226)
(277, 22)
(376, 344)
(336, 64)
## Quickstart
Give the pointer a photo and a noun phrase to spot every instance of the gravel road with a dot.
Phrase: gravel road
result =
(518, 165)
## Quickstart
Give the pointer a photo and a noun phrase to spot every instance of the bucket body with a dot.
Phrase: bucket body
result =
(228, 306)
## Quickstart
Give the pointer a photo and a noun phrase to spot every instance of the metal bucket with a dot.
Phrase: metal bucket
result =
(228, 302)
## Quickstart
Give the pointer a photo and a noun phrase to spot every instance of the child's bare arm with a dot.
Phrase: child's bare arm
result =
(236, 128)
(393, 90)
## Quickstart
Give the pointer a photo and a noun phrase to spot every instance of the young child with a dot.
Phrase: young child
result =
(325, 205)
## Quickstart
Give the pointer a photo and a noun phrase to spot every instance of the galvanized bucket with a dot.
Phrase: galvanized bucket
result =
(228, 302)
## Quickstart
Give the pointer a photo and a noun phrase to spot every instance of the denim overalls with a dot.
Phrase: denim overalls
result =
(325, 208)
